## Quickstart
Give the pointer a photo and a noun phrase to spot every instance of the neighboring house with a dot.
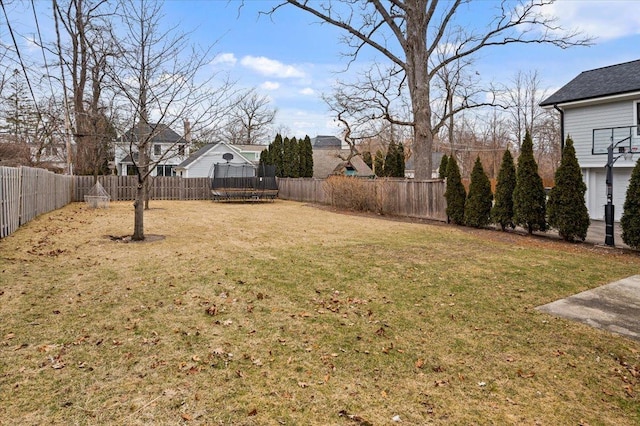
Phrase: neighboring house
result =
(167, 149)
(202, 163)
(410, 168)
(597, 108)
(329, 161)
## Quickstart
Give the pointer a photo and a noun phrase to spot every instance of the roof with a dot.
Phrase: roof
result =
(326, 142)
(160, 133)
(600, 82)
(202, 151)
(326, 161)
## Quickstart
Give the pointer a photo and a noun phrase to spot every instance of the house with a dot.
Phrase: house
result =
(330, 159)
(601, 108)
(202, 163)
(410, 168)
(167, 149)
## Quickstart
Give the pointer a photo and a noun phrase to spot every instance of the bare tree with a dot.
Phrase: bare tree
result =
(418, 28)
(523, 96)
(251, 119)
(158, 77)
(84, 51)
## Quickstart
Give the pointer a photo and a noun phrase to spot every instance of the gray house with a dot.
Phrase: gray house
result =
(601, 108)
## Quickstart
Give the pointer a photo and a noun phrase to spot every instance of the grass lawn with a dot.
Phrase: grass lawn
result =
(286, 314)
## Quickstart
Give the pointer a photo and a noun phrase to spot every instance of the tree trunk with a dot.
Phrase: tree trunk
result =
(138, 205)
(418, 79)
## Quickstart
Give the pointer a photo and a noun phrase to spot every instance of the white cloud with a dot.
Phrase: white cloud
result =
(225, 59)
(307, 91)
(270, 85)
(602, 19)
(271, 67)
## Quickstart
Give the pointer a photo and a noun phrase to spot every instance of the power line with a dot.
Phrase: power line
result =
(24, 69)
(44, 56)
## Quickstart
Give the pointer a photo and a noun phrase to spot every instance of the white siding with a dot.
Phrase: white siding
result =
(203, 166)
(579, 123)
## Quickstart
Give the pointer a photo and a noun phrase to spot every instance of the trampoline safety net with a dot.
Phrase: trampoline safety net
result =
(243, 182)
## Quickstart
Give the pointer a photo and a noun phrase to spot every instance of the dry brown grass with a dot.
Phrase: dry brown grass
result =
(281, 313)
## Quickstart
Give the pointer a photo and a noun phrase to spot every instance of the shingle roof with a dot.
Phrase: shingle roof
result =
(326, 142)
(159, 133)
(597, 83)
(193, 157)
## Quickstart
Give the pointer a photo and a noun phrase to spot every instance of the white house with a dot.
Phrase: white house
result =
(599, 108)
(167, 149)
(202, 163)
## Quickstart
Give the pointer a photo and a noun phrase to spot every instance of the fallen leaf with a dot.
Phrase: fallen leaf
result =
(186, 417)
(253, 412)
(526, 375)
(383, 394)
(419, 363)
(303, 385)
(195, 358)
(212, 310)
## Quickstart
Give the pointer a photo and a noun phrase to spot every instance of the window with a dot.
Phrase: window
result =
(181, 149)
(157, 150)
(131, 170)
(163, 170)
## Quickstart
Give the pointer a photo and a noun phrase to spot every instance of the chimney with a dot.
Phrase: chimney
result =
(187, 131)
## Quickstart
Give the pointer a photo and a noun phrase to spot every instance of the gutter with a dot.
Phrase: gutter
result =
(555, 106)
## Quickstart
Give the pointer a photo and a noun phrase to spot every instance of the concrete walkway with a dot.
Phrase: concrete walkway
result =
(614, 307)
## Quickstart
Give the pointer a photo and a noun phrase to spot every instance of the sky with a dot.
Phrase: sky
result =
(293, 59)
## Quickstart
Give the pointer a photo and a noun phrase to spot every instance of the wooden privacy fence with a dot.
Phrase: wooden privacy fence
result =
(123, 188)
(422, 199)
(27, 192)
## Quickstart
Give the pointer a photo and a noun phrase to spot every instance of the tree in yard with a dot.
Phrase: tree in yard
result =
(630, 221)
(368, 159)
(529, 198)
(291, 158)
(477, 208)
(276, 155)
(400, 160)
(567, 208)
(157, 77)
(442, 170)
(391, 166)
(502, 211)
(455, 193)
(419, 29)
(306, 157)
(86, 50)
(378, 164)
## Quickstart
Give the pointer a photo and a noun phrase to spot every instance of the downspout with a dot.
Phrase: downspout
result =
(555, 106)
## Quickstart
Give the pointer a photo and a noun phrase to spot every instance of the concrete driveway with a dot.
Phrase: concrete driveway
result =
(613, 307)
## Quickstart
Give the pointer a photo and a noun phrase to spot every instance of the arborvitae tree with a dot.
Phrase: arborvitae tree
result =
(265, 159)
(630, 221)
(567, 208)
(400, 160)
(529, 209)
(455, 193)
(306, 157)
(378, 164)
(442, 171)
(276, 155)
(291, 158)
(391, 160)
(368, 159)
(502, 211)
(477, 208)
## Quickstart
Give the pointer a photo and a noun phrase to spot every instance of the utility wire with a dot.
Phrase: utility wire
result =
(44, 56)
(24, 69)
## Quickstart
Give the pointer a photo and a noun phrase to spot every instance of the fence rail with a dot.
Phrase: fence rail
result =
(123, 188)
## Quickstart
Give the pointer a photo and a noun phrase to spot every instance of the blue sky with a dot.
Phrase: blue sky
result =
(293, 59)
